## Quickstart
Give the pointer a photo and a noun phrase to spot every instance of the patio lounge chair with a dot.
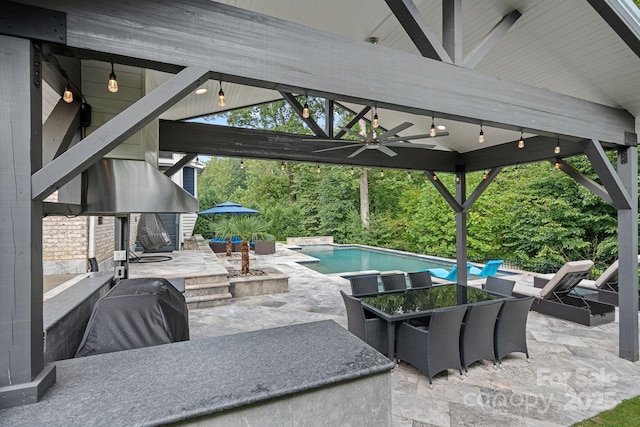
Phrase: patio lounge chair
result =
(373, 331)
(394, 282)
(511, 327)
(477, 334)
(435, 349)
(489, 269)
(449, 276)
(557, 297)
(420, 279)
(605, 288)
(364, 285)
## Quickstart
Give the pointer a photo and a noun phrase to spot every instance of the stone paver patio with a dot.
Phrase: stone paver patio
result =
(574, 371)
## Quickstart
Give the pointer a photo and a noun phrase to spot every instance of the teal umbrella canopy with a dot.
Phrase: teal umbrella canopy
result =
(228, 208)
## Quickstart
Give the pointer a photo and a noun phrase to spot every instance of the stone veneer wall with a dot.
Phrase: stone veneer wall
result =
(314, 240)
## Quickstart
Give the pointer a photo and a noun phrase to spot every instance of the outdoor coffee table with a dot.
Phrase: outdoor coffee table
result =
(414, 303)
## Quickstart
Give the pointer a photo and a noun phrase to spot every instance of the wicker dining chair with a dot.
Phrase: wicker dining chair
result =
(372, 330)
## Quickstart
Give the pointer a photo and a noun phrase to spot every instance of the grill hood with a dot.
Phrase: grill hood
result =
(114, 186)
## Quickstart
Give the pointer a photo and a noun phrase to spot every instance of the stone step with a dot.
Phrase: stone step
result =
(205, 301)
(206, 289)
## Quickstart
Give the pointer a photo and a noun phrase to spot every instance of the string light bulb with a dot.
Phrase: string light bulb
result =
(409, 175)
(381, 174)
(282, 167)
(557, 149)
(481, 135)
(318, 170)
(457, 178)
(516, 170)
(197, 161)
(113, 81)
(305, 110)
(435, 177)
(375, 123)
(221, 99)
(557, 163)
(67, 96)
(432, 131)
(485, 176)
(353, 171)
(241, 164)
(521, 141)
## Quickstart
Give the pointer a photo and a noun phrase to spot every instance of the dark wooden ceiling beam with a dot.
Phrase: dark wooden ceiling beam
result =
(309, 121)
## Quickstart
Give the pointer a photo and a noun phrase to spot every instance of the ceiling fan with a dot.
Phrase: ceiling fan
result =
(373, 141)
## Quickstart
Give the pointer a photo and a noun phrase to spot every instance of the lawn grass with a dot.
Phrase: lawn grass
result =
(627, 413)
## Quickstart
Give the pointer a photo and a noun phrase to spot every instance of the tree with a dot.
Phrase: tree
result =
(248, 228)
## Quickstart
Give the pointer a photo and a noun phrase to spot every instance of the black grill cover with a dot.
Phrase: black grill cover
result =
(136, 313)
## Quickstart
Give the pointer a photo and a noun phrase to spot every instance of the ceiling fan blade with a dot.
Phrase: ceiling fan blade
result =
(409, 144)
(354, 133)
(324, 140)
(395, 130)
(358, 151)
(421, 136)
(389, 152)
(337, 148)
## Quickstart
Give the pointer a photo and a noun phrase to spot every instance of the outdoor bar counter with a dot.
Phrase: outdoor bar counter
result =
(308, 374)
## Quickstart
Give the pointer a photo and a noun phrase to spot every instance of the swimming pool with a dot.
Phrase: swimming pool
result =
(346, 259)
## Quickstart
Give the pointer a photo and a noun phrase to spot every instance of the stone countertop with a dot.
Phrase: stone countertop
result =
(174, 382)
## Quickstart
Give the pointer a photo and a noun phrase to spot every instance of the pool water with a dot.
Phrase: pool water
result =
(352, 259)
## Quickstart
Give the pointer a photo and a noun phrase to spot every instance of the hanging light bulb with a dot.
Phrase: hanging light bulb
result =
(432, 131)
(352, 171)
(485, 175)
(375, 122)
(457, 178)
(435, 177)
(381, 174)
(241, 164)
(197, 161)
(113, 81)
(521, 141)
(305, 109)
(221, 100)
(481, 136)
(516, 169)
(282, 167)
(318, 170)
(557, 149)
(558, 163)
(409, 175)
(68, 95)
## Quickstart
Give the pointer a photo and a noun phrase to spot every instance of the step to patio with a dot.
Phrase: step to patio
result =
(201, 289)
(205, 301)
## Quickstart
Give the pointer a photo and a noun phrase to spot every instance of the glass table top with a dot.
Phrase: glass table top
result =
(418, 300)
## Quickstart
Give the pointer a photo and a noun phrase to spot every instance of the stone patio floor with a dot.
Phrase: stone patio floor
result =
(574, 372)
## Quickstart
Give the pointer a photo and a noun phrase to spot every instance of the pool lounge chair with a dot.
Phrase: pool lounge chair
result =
(605, 288)
(449, 276)
(557, 297)
(489, 269)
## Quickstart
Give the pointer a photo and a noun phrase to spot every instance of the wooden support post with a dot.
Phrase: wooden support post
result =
(23, 376)
(461, 238)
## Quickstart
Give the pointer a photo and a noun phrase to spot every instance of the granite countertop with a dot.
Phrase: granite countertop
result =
(174, 382)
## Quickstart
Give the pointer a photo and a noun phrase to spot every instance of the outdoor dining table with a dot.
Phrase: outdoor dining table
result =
(398, 306)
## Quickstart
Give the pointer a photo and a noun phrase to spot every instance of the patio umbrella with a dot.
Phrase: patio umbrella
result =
(228, 208)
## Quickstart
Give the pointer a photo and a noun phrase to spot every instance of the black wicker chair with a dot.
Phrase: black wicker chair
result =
(435, 349)
(499, 286)
(476, 336)
(420, 279)
(511, 327)
(373, 331)
(394, 282)
(364, 285)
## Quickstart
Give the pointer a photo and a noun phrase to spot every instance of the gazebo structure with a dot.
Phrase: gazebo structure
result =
(545, 72)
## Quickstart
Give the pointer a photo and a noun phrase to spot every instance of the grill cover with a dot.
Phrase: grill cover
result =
(136, 313)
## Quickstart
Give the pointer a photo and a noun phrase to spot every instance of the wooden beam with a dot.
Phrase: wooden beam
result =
(457, 207)
(417, 29)
(583, 180)
(353, 121)
(243, 53)
(226, 141)
(82, 155)
(484, 184)
(180, 164)
(622, 18)
(452, 29)
(61, 209)
(58, 131)
(489, 41)
(315, 128)
(537, 148)
(607, 174)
